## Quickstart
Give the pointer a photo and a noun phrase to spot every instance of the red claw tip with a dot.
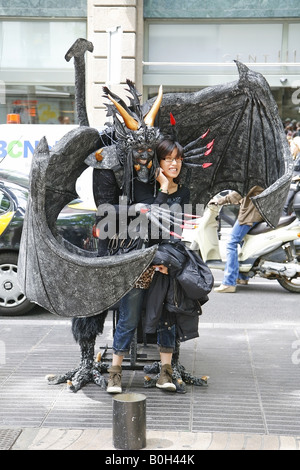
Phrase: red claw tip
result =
(208, 151)
(210, 144)
(206, 165)
(205, 134)
(175, 235)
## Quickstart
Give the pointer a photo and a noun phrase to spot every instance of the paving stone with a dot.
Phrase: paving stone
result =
(288, 443)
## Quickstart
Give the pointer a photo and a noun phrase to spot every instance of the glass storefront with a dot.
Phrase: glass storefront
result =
(36, 82)
(38, 104)
(187, 55)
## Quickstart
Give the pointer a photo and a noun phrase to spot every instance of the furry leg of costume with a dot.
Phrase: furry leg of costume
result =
(85, 332)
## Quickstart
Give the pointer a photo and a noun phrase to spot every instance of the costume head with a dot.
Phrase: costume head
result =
(137, 137)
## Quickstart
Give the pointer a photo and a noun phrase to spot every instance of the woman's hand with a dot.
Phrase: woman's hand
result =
(162, 180)
(161, 268)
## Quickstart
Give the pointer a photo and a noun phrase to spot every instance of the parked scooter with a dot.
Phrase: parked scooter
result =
(266, 252)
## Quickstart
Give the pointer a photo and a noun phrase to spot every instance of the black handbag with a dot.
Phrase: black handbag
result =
(196, 278)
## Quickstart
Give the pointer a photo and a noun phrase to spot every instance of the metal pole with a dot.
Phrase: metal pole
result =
(129, 421)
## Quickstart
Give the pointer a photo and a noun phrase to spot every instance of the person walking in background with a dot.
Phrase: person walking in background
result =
(248, 217)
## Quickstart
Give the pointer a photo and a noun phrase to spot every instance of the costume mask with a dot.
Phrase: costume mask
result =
(137, 137)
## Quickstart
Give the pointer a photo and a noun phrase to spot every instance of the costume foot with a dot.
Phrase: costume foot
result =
(153, 368)
(87, 372)
(182, 375)
(225, 289)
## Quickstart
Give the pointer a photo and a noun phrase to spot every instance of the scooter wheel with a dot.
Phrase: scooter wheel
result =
(292, 284)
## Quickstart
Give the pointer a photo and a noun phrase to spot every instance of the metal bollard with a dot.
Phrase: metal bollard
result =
(129, 421)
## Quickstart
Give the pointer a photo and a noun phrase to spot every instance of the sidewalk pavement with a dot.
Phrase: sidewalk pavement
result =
(252, 401)
(101, 439)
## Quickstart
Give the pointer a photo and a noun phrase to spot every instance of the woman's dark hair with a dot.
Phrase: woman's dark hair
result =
(166, 147)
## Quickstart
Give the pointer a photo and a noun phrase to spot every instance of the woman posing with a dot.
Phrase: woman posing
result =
(170, 156)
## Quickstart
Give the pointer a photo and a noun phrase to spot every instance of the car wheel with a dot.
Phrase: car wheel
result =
(12, 300)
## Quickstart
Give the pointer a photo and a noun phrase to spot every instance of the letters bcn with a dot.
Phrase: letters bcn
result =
(17, 149)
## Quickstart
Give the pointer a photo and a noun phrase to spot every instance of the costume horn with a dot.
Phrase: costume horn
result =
(129, 121)
(150, 117)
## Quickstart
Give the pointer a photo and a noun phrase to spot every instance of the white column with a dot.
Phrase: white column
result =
(109, 23)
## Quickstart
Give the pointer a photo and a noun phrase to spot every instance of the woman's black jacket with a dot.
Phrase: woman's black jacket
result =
(176, 298)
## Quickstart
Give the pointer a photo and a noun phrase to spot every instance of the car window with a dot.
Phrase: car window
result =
(5, 203)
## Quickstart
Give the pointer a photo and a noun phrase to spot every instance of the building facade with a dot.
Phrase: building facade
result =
(186, 45)
(183, 45)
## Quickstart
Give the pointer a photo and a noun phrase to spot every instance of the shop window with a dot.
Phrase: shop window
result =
(211, 43)
(39, 105)
(37, 84)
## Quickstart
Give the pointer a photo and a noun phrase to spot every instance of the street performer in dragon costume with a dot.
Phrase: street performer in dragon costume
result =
(152, 163)
(247, 146)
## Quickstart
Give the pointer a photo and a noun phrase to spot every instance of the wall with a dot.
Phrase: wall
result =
(103, 15)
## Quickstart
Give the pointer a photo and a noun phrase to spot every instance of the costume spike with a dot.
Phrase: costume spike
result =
(172, 120)
(208, 151)
(210, 144)
(205, 134)
(175, 235)
(192, 216)
(150, 117)
(129, 121)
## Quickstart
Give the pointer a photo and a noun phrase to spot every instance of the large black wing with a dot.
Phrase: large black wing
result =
(53, 273)
(250, 146)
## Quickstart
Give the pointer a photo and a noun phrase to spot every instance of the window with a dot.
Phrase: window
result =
(36, 82)
(213, 43)
(39, 104)
(4, 203)
(186, 55)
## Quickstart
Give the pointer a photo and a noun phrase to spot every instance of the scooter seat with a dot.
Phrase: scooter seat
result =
(263, 227)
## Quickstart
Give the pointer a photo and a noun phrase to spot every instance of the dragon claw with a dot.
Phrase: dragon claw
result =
(84, 374)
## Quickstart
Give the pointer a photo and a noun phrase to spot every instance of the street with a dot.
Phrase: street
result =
(262, 301)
